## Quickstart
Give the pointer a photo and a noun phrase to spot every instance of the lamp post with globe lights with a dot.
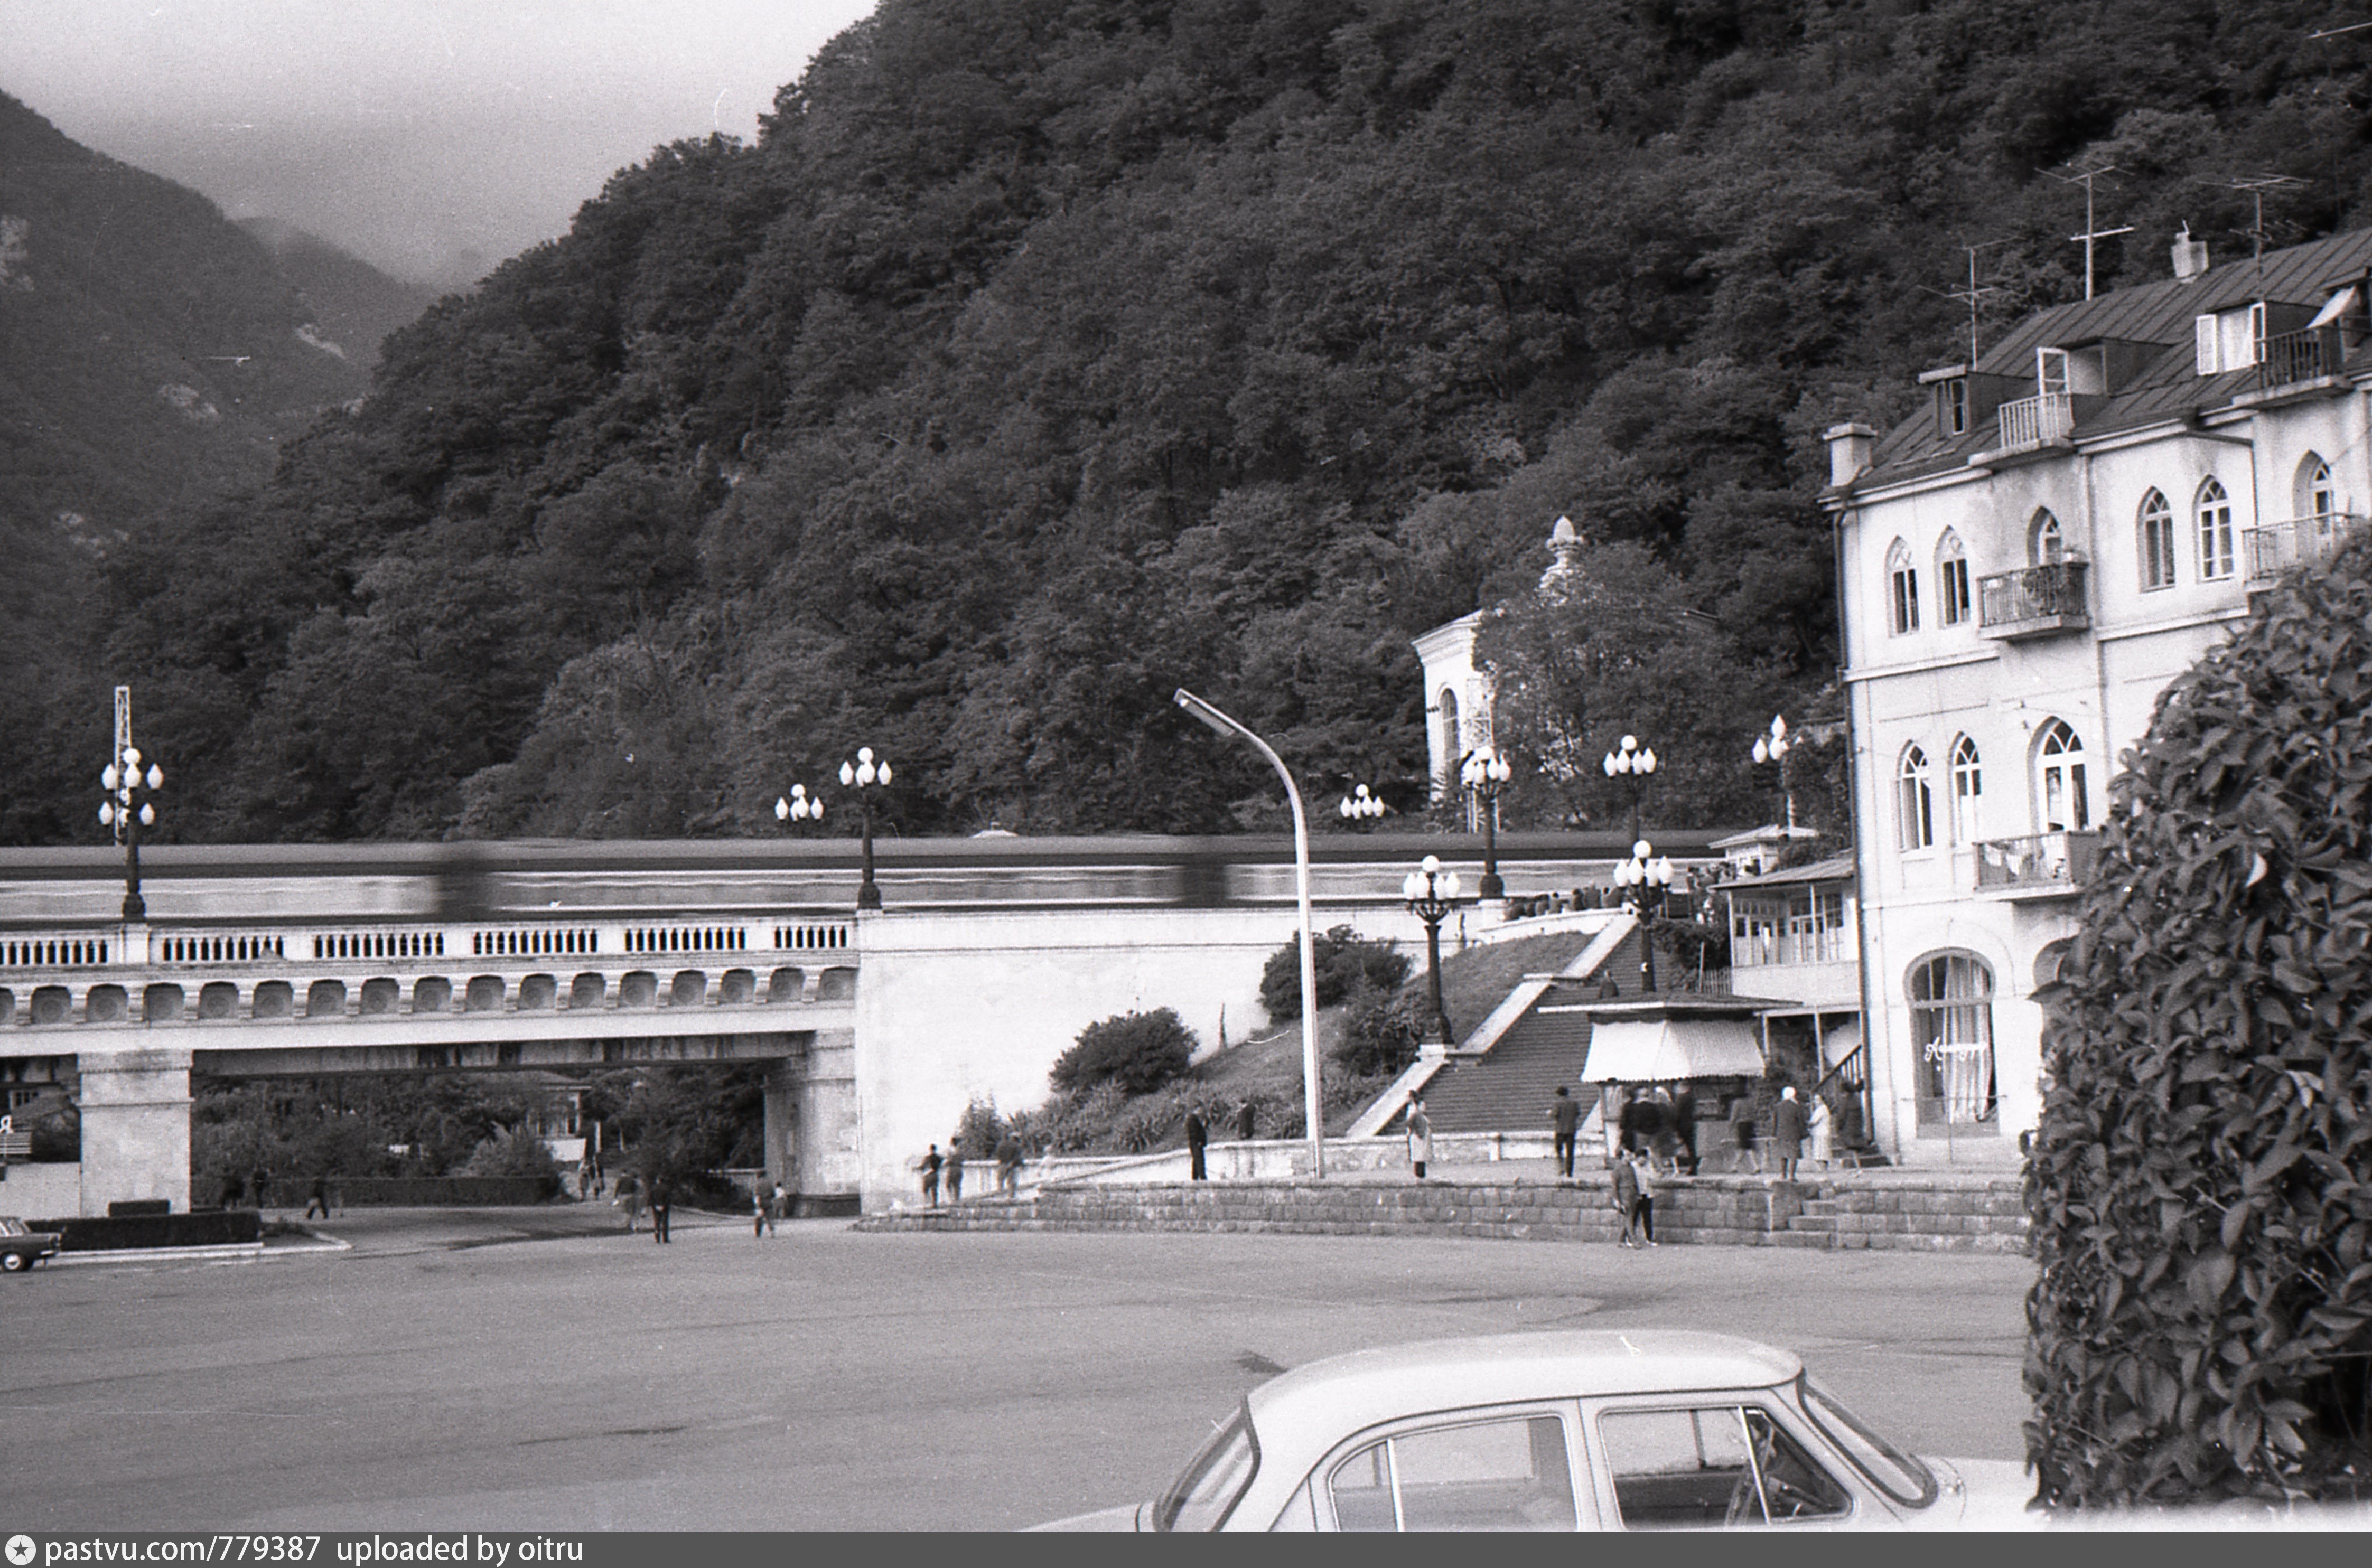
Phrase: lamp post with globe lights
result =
(798, 806)
(1772, 750)
(1360, 807)
(1644, 880)
(865, 775)
(1635, 765)
(1432, 893)
(127, 814)
(1485, 772)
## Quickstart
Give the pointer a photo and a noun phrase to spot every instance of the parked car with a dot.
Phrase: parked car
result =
(1563, 1431)
(21, 1246)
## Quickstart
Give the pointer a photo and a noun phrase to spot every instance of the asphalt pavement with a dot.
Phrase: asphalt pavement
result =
(540, 1369)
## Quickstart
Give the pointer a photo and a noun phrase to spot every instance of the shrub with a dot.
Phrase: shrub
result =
(1343, 959)
(519, 1153)
(2201, 1190)
(1139, 1051)
(979, 1130)
(1380, 1033)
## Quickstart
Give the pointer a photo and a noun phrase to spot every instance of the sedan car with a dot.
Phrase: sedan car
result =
(1567, 1430)
(22, 1246)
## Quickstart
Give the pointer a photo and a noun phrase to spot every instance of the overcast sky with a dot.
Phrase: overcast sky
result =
(432, 138)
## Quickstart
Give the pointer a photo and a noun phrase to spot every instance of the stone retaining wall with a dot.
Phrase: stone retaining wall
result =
(1944, 1214)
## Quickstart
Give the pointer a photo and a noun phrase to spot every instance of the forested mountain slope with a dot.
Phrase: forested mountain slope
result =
(1043, 355)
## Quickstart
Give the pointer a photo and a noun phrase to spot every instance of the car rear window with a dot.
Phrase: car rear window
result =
(1213, 1480)
(1894, 1472)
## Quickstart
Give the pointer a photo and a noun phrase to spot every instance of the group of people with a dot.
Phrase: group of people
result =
(1198, 1138)
(1659, 1126)
(634, 1194)
(1009, 1160)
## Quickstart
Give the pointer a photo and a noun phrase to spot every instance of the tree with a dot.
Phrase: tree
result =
(1341, 960)
(2201, 1191)
(1137, 1051)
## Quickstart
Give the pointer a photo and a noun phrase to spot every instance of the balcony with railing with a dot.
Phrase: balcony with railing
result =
(2292, 357)
(2035, 422)
(2035, 601)
(2274, 548)
(2053, 864)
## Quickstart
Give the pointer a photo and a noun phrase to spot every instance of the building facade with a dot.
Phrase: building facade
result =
(2065, 526)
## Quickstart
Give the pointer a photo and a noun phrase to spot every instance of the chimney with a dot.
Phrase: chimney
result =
(1850, 446)
(2189, 256)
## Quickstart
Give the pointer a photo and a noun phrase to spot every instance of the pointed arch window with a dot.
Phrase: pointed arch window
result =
(1951, 580)
(2214, 532)
(2045, 544)
(2059, 779)
(1902, 589)
(1968, 791)
(1452, 745)
(2317, 496)
(1952, 1030)
(1914, 801)
(2157, 541)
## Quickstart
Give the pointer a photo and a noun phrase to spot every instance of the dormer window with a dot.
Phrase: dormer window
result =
(2059, 372)
(1952, 406)
(2229, 340)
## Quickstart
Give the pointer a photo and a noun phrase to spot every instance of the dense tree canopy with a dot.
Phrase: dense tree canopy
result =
(1041, 357)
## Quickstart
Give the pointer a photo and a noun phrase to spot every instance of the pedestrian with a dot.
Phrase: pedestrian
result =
(1646, 1174)
(1788, 1132)
(629, 1202)
(1197, 1135)
(783, 1203)
(1741, 1129)
(262, 1183)
(319, 1198)
(955, 1170)
(761, 1216)
(1684, 1122)
(585, 1175)
(1008, 1166)
(931, 1165)
(1625, 1193)
(1420, 1136)
(1819, 1125)
(1565, 1114)
(1244, 1122)
(662, 1204)
(600, 1181)
(1629, 1121)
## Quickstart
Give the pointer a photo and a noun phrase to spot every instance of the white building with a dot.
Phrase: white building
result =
(1458, 695)
(2063, 528)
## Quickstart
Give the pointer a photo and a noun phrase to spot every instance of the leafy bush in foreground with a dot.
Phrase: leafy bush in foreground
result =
(2201, 1190)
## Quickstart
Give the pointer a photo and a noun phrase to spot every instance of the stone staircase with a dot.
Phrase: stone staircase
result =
(1907, 1212)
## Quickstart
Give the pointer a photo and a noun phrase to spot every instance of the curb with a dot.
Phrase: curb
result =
(232, 1252)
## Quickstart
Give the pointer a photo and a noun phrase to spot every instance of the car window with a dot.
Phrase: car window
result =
(1199, 1499)
(1476, 1475)
(1712, 1465)
(1899, 1475)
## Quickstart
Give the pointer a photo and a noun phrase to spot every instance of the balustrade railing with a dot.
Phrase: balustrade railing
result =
(2063, 859)
(2030, 422)
(2273, 548)
(2298, 356)
(2053, 594)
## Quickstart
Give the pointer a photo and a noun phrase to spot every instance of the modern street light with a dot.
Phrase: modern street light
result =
(1634, 765)
(1312, 1102)
(863, 776)
(1432, 893)
(1773, 750)
(800, 806)
(1487, 772)
(124, 783)
(1646, 880)
(1361, 806)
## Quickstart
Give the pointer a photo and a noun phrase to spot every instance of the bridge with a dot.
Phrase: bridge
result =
(989, 958)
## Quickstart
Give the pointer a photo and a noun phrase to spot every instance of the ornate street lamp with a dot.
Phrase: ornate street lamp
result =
(1487, 772)
(1635, 765)
(1313, 1099)
(800, 806)
(863, 776)
(1361, 806)
(1432, 893)
(124, 783)
(1773, 750)
(1646, 880)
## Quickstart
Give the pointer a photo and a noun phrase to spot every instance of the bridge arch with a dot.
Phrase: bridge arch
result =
(431, 993)
(51, 1005)
(218, 999)
(736, 987)
(162, 1004)
(484, 995)
(785, 985)
(273, 999)
(106, 1004)
(637, 988)
(381, 997)
(690, 990)
(326, 999)
(537, 992)
(586, 991)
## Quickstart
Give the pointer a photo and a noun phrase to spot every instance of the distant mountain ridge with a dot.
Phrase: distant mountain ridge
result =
(356, 304)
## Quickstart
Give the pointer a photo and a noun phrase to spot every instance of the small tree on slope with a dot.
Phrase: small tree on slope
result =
(2201, 1190)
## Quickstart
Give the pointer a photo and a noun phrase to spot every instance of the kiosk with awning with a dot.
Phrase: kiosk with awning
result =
(1665, 1038)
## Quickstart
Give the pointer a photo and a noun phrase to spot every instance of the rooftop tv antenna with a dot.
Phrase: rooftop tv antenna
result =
(1970, 294)
(2092, 230)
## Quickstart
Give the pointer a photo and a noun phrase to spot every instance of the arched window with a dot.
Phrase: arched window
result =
(2157, 541)
(1453, 745)
(1951, 580)
(1915, 800)
(2214, 532)
(2044, 545)
(1952, 1030)
(2317, 496)
(2059, 775)
(1903, 588)
(1968, 791)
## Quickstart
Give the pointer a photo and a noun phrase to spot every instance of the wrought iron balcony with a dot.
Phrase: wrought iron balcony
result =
(2032, 422)
(2046, 864)
(2036, 601)
(2273, 548)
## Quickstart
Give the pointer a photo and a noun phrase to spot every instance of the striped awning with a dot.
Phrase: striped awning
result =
(1648, 1050)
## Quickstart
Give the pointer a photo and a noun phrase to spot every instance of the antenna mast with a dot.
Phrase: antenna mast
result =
(2092, 230)
(1970, 294)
